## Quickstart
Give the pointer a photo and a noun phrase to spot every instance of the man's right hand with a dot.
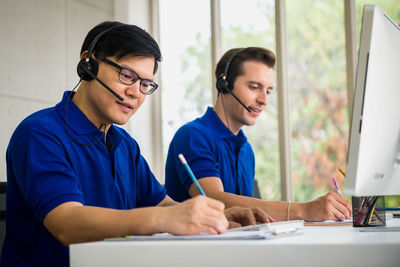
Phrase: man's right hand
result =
(330, 206)
(193, 216)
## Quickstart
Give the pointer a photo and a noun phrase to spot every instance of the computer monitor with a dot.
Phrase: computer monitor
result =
(373, 160)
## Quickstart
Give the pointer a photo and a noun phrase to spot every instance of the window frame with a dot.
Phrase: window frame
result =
(287, 190)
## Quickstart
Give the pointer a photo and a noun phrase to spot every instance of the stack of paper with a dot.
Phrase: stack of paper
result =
(274, 227)
(234, 235)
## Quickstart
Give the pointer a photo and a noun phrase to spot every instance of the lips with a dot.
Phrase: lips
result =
(256, 110)
(126, 105)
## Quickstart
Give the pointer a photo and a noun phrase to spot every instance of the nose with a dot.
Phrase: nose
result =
(263, 97)
(133, 90)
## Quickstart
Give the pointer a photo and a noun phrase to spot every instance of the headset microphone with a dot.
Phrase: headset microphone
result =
(240, 102)
(105, 86)
(224, 85)
(88, 67)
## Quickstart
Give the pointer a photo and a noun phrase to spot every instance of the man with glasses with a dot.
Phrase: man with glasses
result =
(74, 176)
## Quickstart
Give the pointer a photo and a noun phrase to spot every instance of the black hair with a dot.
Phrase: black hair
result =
(122, 40)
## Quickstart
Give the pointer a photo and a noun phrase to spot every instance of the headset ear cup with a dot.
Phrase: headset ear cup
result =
(85, 68)
(229, 85)
(222, 86)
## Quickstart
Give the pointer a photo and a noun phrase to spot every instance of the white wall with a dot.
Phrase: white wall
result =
(39, 49)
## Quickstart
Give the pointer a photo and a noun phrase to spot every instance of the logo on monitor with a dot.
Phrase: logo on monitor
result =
(378, 175)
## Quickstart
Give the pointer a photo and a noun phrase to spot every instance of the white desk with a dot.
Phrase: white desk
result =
(318, 246)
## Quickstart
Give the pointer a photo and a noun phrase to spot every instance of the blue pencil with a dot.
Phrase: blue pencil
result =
(187, 167)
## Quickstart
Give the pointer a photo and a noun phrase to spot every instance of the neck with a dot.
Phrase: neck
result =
(222, 109)
(81, 100)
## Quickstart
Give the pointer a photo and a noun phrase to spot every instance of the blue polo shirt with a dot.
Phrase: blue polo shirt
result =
(46, 168)
(210, 149)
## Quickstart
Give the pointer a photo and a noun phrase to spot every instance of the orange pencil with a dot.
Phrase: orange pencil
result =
(342, 172)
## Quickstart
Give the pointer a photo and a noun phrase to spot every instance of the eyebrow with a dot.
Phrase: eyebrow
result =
(126, 67)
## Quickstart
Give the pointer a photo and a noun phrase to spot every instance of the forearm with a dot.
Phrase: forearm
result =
(86, 223)
(277, 209)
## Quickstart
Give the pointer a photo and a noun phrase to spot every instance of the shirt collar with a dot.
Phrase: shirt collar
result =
(211, 120)
(76, 120)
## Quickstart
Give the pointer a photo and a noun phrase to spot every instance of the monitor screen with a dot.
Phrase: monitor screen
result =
(373, 160)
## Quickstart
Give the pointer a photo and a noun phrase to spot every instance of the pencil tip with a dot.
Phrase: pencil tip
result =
(182, 158)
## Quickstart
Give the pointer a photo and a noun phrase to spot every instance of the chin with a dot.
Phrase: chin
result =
(121, 120)
(250, 121)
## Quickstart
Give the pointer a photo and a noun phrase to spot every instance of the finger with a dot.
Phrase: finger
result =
(247, 217)
(341, 206)
(208, 208)
(337, 215)
(211, 230)
(215, 220)
(210, 225)
(234, 224)
(270, 219)
(348, 206)
(213, 203)
(261, 216)
(203, 214)
(345, 203)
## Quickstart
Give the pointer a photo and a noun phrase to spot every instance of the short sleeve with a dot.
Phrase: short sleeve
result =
(42, 170)
(199, 152)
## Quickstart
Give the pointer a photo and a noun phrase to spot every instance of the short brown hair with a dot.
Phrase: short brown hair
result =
(258, 54)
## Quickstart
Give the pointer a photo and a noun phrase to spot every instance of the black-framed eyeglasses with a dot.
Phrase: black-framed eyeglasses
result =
(129, 77)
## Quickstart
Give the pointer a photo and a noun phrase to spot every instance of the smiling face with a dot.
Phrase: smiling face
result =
(252, 88)
(100, 106)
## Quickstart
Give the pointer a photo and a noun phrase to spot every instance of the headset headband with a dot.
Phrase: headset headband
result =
(96, 39)
(229, 62)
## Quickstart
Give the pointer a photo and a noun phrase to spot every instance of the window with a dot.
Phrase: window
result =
(186, 66)
(317, 81)
(318, 97)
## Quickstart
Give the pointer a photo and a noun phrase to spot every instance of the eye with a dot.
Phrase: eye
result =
(147, 83)
(128, 75)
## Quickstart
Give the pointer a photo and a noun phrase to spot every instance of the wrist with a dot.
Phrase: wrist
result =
(160, 220)
(296, 211)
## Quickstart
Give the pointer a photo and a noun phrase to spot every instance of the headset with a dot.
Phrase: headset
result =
(225, 85)
(88, 67)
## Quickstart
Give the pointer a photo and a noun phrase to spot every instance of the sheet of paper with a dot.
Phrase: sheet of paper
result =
(274, 227)
(203, 236)
(347, 222)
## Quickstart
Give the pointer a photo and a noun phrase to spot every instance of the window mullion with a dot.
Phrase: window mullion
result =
(283, 103)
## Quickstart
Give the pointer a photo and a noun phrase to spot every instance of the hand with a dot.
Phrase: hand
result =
(239, 216)
(330, 206)
(199, 214)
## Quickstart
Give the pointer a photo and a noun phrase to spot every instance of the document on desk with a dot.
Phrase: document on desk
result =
(237, 235)
(347, 222)
(277, 229)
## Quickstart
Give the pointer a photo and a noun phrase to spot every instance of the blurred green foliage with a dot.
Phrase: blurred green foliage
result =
(318, 97)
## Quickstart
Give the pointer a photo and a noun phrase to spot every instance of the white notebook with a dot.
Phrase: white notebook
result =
(236, 235)
(274, 227)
